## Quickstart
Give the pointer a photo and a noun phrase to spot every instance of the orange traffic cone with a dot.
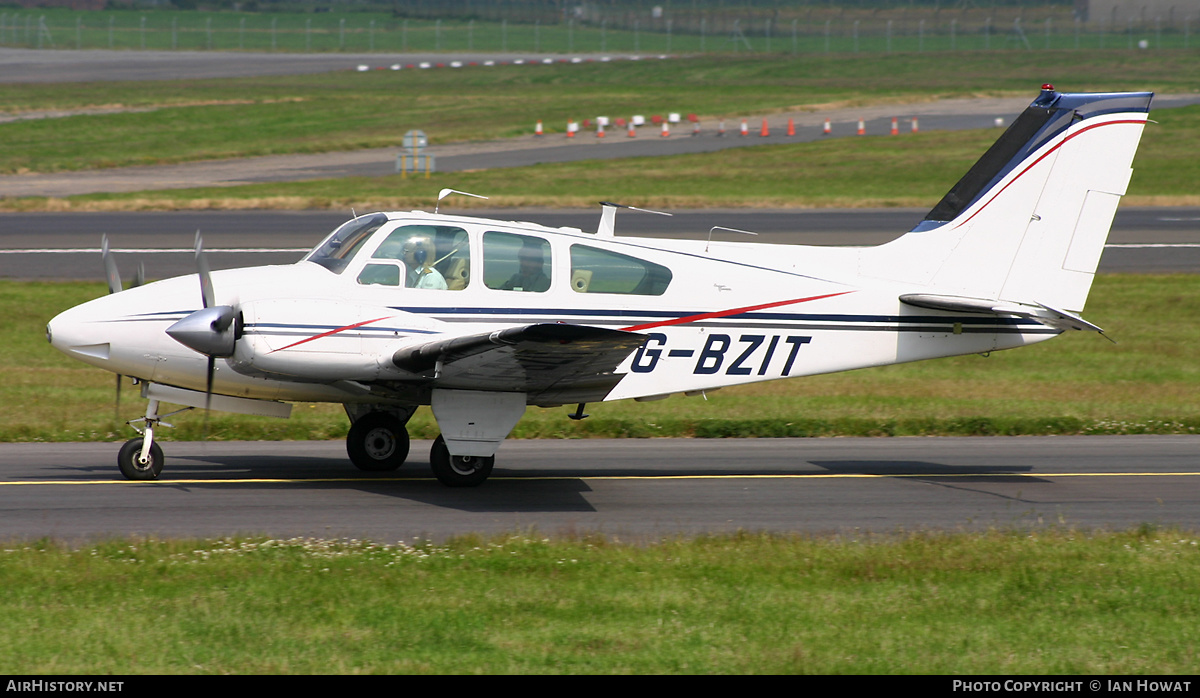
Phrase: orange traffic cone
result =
(765, 131)
(791, 127)
(914, 124)
(895, 127)
(538, 130)
(745, 129)
(862, 127)
(828, 128)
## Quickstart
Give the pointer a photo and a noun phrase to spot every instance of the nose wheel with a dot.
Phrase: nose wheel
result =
(136, 467)
(142, 459)
(458, 471)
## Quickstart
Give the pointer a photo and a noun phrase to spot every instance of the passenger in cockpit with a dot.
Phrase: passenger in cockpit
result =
(531, 275)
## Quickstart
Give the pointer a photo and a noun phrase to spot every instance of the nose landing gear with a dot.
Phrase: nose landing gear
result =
(142, 459)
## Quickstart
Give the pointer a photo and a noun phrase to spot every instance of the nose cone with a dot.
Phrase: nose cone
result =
(82, 334)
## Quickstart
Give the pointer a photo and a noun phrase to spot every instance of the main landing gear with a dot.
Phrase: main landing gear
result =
(378, 442)
(458, 471)
(473, 424)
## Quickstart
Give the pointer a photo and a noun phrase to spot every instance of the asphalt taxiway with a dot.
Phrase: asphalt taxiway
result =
(67, 245)
(627, 488)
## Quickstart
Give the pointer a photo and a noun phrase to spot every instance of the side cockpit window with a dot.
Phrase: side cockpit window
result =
(434, 257)
(594, 270)
(516, 262)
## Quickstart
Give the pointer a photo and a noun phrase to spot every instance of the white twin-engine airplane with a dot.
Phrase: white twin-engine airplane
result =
(479, 318)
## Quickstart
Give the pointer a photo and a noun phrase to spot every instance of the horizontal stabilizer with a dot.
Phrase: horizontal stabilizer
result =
(1051, 317)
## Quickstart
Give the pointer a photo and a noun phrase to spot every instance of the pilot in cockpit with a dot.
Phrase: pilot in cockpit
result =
(418, 258)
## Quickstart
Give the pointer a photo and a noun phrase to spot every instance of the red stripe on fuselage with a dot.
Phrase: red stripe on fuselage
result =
(330, 332)
(727, 313)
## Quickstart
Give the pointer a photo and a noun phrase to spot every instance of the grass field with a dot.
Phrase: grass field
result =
(999, 603)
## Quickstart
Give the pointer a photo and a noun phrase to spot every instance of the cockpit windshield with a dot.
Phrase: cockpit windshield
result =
(337, 251)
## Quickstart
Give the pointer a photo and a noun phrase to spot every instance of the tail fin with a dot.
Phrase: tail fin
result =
(1028, 222)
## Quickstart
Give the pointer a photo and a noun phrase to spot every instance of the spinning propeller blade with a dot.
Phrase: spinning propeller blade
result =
(110, 267)
(114, 286)
(206, 287)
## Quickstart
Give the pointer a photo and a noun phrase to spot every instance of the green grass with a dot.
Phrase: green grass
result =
(207, 119)
(1048, 602)
(1074, 384)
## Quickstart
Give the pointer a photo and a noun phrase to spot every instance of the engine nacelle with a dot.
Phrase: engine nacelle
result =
(324, 341)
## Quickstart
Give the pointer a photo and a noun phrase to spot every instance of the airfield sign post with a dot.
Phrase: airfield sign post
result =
(412, 159)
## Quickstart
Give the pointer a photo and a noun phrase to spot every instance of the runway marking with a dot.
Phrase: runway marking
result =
(794, 476)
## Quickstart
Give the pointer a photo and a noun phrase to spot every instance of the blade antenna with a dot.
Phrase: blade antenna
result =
(721, 227)
(447, 192)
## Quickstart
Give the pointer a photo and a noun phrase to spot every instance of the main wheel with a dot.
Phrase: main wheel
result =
(377, 442)
(458, 471)
(130, 457)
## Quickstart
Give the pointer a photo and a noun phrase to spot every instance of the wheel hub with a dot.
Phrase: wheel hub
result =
(464, 465)
(380, 444)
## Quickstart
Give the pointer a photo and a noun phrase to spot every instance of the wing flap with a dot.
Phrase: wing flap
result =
(550, 362)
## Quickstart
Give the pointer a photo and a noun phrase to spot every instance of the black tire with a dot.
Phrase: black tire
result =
(130, 455)
(377, 442)
(458, 471)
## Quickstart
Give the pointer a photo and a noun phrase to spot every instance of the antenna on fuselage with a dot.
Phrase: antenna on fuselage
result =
(447, 192)
(608, 217)
(721, 227)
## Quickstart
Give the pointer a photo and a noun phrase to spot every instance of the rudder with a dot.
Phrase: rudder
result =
(1029, 220)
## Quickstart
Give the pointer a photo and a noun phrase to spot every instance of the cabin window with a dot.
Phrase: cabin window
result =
(434, 257)
(337, 251)
(516, 262)
(599, 271)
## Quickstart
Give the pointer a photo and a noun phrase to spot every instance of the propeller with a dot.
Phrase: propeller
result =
(113, 276)
(212, 330)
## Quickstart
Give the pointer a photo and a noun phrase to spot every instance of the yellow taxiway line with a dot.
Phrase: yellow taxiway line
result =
(795, 476)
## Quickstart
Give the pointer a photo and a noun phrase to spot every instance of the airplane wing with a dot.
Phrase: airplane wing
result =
(1051, 317)
(552, 363)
